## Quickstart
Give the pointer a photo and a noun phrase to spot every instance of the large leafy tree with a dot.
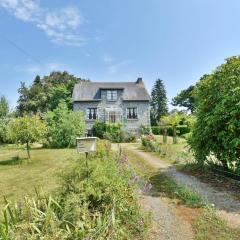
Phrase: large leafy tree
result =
(46, 93)
(158, 102)
(63, 126)
(26, 130)
(4, 107)
(217, 128)
(185, 99)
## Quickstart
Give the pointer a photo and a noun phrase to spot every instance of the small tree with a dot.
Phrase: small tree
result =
(172, 120)
(26, 130)
(64, 126)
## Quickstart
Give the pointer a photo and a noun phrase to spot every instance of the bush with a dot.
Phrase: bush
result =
(150, 143)
(3, 130)
(103, 205)
(181, 129)
(145, 130)
(99, 128)
(112, 132)
(216, 131)
(64, 126)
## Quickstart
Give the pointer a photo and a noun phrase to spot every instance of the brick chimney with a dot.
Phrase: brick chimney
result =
(139, 81)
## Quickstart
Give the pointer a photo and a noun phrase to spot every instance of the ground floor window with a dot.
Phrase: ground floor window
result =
(112, 117)
(132, 113)
(92, 113)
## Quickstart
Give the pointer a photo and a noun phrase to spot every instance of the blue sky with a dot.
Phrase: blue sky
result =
(120, 40)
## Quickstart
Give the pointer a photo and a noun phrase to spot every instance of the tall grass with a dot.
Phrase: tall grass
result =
(99, 205)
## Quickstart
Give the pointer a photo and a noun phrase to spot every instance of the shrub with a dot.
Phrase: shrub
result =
(99, 128)
(150, 143)
(3, 130)
(63, 126)
(112, 132)
(216, 131)
(103, 205)
(145, 130)
(181, 129)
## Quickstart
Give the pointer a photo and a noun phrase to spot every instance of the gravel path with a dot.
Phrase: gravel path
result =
(228, 207)
(167, 225)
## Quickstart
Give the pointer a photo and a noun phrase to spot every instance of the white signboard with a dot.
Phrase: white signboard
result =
(87, 144)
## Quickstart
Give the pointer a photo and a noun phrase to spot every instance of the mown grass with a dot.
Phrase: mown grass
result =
(20, 176)
(97, 201)
(174, 153)
(207, 225)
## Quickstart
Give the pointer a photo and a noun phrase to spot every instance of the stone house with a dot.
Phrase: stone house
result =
(124, 102)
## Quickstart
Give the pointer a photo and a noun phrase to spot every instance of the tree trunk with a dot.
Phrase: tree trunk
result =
(174, 134)
(165, 135)
(28, 151)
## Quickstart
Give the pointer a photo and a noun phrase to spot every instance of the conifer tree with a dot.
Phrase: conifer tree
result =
(159, 102)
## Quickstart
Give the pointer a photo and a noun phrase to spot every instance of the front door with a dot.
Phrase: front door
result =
(112, 117)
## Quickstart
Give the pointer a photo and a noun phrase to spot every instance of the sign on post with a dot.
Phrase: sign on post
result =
(86, 144)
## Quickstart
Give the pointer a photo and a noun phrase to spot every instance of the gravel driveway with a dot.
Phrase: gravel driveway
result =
(227, 206)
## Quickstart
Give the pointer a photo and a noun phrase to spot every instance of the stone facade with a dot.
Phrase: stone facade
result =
(120, 108)
(116, 110)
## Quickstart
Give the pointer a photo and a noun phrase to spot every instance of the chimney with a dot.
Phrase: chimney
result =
(139, 81)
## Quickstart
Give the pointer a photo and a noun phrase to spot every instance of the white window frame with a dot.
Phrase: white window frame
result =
(127, 113)
(88, 111)
(111, 93)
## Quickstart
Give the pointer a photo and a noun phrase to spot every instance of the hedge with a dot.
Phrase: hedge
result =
(181, 129)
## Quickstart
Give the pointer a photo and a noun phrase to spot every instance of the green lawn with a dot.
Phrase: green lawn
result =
(19, 177)
(175, 153)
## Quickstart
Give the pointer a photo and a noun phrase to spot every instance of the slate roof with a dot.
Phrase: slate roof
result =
(90, 91)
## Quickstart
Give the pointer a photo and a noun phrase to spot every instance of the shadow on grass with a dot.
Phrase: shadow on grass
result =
(13, 161)
(165, 185)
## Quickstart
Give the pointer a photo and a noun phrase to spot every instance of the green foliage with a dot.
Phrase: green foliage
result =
(112, 132)
(3, 130)
(46, 93)
(102, 206)
(4, 107)
(26, 130)
(159, 102)
(64, 126)
(217, 127)
(99, 128)
(185, 99)
(150, 143)
(181, 130)
(145, 130)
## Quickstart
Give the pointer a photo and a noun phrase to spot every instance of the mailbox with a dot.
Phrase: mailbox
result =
(86, 144)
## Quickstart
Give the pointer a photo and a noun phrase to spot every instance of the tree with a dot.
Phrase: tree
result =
(217, 127)
(158, 102)
(64, 126)
(185, 99)
(26, 130)
(4, 107)
(172, 120)
(46, 93)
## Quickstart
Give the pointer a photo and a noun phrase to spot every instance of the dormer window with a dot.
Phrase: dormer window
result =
(111, 95)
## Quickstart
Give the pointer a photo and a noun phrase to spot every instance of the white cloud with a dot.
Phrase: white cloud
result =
(60, 25)
(107, 59)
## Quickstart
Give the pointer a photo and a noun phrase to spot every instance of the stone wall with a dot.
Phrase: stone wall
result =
(103, 106)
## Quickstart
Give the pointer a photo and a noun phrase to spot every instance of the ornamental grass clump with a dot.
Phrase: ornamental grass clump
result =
(102, 204)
